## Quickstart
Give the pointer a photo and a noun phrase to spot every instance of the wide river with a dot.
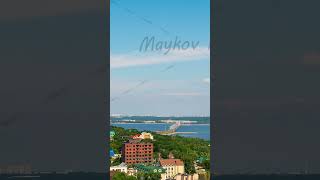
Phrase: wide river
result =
(201, 130)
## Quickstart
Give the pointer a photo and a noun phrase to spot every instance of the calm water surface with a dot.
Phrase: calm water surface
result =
(201, 130)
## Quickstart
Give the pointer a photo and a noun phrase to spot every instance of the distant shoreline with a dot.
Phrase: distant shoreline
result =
(161, 123)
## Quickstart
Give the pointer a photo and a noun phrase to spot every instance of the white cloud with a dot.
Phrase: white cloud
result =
(142, 59)
(183, 94)
(206, 80)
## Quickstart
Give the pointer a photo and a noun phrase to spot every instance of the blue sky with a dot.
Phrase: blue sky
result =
(155, 82)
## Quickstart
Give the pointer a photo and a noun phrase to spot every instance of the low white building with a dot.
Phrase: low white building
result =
(143, 135)
(132, 172)
(117, 156)
(173, 167)
(187, 177)
(120, 168)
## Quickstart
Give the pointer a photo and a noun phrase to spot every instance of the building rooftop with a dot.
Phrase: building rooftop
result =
(120, 165)
(171, 162)
(137, 136)
(135, 141)
(112, 133)
(141, 167)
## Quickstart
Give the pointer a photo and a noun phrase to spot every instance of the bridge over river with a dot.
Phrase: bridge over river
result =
(173, 130)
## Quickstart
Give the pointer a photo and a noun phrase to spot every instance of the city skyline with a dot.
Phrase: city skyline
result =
(113, 115)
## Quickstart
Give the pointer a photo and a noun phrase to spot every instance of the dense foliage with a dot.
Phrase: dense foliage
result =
(121, 136)
(116, 162)
(205, 164)
(123, 176)
(186, 149)
(140, 175)
(149, 176)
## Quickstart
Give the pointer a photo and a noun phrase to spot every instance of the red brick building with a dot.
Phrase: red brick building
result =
(134, 152)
